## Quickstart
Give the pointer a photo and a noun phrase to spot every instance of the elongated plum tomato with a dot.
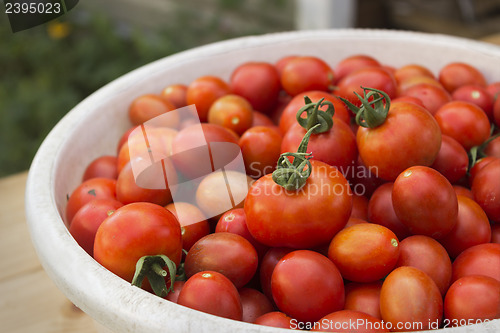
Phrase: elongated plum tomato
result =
(425, 201)
(409, 296)
(408, 136)
(364, 252)
(486, 189)
(307, 286)
(364, 297)
(133, 231)
(303, 218)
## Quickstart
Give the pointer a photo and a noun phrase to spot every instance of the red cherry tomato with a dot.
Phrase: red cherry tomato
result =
(314, 214)
(134, 231)
(452, 160)
(432, 96)
(175, 94)
(411, 70)
(349, 321)
(477, 260)
(354, 62)
(364, 252)
(381, 211)
(460, 190)
(149, 106)
(173, 296)
(410, 300)
(306, 73)
(493, 148)
(472, 299)
(260, 119)
(429, 256)
(307, 286)
(88, 219)
(373, 77)
(486, 189)
(254, 304)
(478, 166)
(267, 264)
(188, 213)
(425, 201)
(477, 95)
(457, 74)
(472, 228)
(363, 297)
(275, 319)
(260, 147)
(288, 117)
(94, 188)
(204, 91)
(226, 253)
(359, 207)
(417, 80)
(213, 293)
(409, 136)
(101, 167)
(465, 122)
(257, 82)
(232, 112)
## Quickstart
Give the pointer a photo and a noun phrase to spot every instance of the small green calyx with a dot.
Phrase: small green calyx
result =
(374, 107)
(315, 116)
(293, 175)
(151, 267)
(477, 152)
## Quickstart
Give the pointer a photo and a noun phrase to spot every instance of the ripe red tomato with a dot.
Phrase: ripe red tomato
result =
(496, 111)
(101, 167)
(254, 304)
(204, 91)
(352, 63)
(465, 122)
(267, 264)
(472, 228)
(381, 211)
(226, 253)
(187, 213)
(493, 147)
(349, 321)
(364, 252)
(477, 95)
(336, 147)
(495, 233)
(306, 73)
(373, 77)
(452, 160)
(307, 286)
(173, 295)
(288, 117)
(460, 190)
(275, 319)
(94, 188)
(359, 207)
(405, 72)
(232, 112)
(175, 94)
(363, 297)
(213, 293)
(149, 106)
(425, 201)
(480, 164)
(429, 256)
(260, 147)
(88, 219)
(472, 299)
(257, 82)
(304, 218)
(417, 80)
(457, 74)
(432, 96)
(409, 136)
(480, 259)
(260, 119)
(410, 300)
(486, 190)
(133, 231)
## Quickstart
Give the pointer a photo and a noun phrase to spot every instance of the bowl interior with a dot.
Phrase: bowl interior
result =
(94, 127)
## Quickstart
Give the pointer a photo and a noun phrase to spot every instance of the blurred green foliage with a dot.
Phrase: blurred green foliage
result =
(47, 70)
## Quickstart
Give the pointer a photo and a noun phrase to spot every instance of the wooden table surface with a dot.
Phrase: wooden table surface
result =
(29, 301)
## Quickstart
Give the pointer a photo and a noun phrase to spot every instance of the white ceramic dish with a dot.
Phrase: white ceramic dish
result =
(94, 126)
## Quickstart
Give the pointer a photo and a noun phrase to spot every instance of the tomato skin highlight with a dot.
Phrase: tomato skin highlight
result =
(307, 286)
(364, 252)
(409, 136)
(408, 295)
(303, 219)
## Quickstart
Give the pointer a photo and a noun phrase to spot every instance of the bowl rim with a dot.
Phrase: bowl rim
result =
(127, 304)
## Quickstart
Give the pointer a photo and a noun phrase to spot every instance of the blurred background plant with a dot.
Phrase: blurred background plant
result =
(47, 70)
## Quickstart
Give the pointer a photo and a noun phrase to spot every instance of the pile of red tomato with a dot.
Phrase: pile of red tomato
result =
(373, 200)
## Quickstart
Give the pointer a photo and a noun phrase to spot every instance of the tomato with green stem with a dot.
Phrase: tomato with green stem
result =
(302, 204)
(394, 136)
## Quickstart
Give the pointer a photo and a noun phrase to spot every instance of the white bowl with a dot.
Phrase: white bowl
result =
(94, 126)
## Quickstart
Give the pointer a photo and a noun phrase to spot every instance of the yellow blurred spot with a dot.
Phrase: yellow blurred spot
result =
(58, 30)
